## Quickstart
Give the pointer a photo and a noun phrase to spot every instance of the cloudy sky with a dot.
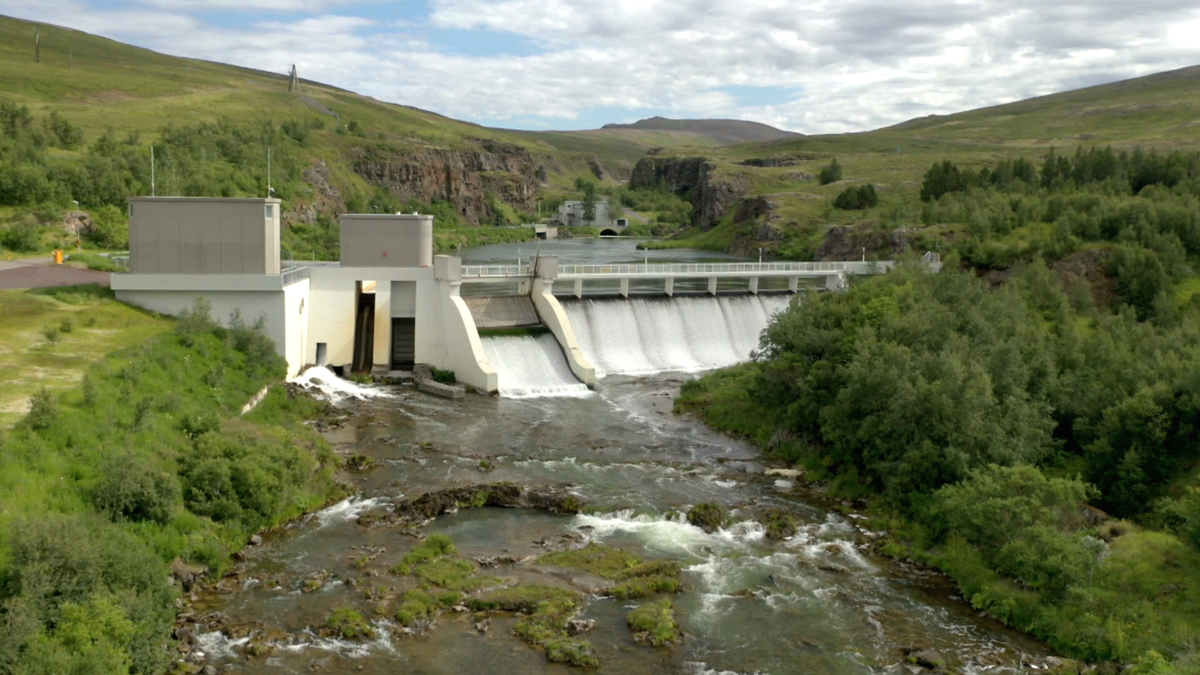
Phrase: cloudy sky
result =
(814, 66)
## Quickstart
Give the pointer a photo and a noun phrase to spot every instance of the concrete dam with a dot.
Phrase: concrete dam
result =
(390, 306)
(635, 336)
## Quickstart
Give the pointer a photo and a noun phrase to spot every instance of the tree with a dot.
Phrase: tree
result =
(853, 198)
(831, 173)
(941, 179)
(589, 203)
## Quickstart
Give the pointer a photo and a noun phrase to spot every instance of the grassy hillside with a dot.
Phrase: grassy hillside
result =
(50, 337)
(1160, 111)
(100, 83)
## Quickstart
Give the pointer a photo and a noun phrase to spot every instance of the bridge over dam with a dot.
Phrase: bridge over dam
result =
(831, 274)
(579, 330)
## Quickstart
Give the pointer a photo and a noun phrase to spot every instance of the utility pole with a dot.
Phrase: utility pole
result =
(37, 44)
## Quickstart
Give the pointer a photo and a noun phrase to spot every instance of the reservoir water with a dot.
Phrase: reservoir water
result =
(818, 602)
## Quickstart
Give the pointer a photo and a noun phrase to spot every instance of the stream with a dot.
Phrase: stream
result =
(817, 602)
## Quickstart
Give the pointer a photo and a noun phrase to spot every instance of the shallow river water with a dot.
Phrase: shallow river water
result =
(815, 603)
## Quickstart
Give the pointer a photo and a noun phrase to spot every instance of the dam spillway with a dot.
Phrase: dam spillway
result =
(644, 336)
(532, 367)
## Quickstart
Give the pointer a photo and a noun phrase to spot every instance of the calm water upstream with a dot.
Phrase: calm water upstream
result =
(816, 603)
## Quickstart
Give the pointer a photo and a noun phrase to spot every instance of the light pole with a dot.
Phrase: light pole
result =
(760, 255)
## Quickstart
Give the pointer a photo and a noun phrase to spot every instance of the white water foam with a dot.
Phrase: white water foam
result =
(345, 510)
(334, 388)
(531, 367)
(641, 337)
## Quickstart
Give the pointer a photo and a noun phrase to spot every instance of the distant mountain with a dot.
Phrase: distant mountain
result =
(724, 132)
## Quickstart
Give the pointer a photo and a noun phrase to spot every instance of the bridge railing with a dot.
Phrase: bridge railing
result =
(684, 269)
(495, 271)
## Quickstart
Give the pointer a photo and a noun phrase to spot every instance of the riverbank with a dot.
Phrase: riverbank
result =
(145, 469)
(948, 437)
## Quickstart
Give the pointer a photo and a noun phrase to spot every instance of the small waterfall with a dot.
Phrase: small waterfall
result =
(334, 388)
(530, 367)
(641, 336)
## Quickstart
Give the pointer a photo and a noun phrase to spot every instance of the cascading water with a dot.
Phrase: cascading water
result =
(334, 388)
(639, 337)
(531, 367)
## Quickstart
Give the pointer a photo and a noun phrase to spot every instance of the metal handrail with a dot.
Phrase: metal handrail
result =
(293, 274)
(496, 271)
(680, 269)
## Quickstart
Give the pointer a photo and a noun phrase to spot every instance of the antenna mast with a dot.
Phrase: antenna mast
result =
(152, 189)
(270, 190)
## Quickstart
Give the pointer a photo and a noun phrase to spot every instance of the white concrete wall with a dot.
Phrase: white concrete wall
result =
(272, 306)
(552, 314)
(296, 308)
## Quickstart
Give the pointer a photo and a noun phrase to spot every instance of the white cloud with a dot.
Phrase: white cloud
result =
(855, 64)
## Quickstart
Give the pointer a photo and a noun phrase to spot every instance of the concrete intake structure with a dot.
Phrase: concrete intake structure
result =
(390, 304)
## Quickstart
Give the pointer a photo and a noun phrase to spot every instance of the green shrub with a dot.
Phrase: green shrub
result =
(830, 173)
(129, 490)
(26, 238)
(51, 334)
(43, 410)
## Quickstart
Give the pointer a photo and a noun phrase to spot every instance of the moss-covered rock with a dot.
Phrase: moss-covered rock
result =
(709, 517)
(599, 559)
(549, 611)
(654, 622)
(779, 524)
(348, 624)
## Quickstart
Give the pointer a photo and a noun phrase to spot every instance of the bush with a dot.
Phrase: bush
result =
(854, 198)
(129, 490)
(830, 173)
(77, 576)
(24, 238)
(43, 410)
(110, 228)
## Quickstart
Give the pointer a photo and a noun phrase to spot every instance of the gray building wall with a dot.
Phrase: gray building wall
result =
(370, 240)
(194, 235)
(570, 214)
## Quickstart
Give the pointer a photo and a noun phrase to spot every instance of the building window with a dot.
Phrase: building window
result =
(269, 211)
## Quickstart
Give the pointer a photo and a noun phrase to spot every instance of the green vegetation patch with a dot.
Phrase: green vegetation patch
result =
(548, 610)
(709, 517)
(145, 461)
(654, 622)
(599, 559)
(434, 547)
(349, 624)
(29, 361)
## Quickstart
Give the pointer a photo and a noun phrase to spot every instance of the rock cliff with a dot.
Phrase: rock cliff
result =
(712, 194)
(852, 242)
(461, 177)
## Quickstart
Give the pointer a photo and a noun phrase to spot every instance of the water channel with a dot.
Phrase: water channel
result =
(818, 602)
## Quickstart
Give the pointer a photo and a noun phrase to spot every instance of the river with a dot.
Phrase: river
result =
(818, 602)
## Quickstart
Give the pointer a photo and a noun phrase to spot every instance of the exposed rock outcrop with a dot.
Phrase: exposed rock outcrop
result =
(461, 177)
(326, 199)
(852, 242)
(712, 194)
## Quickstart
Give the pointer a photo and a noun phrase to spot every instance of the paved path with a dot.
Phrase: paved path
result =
(40, 273)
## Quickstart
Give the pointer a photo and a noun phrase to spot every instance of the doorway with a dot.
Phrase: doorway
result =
(404, 343)
(364, 327)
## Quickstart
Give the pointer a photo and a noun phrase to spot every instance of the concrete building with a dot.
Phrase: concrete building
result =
(389, 304)
(570, 214)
